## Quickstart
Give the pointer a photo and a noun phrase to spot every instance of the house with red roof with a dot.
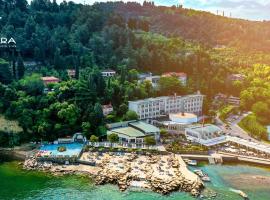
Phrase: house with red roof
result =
(50, 79)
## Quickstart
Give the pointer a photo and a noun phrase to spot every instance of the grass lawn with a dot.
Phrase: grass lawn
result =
(9, 126)
(253, 127)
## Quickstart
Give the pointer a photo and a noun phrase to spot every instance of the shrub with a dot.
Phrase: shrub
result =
(150, 140)
(113, 138)
(253, 127)
(101, 149)
(94, 138)
(120, 149)
(224, 113)
(111, 149)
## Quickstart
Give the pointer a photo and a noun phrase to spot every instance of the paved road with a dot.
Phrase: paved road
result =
(235, 130)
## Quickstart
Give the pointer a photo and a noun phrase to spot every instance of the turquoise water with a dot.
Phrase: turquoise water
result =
(18, 184)
(72, 149)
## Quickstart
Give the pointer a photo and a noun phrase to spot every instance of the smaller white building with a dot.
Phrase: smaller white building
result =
(133, 131)
(234, 100)
(108, 73)
(178, 122)
(71, 73)
(154, 80)
(107, 109)
(207, 135)
(236, 77)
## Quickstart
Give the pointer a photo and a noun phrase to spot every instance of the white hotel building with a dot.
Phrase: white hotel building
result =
(156, 107)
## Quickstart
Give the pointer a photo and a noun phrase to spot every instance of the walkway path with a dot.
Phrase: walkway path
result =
(237, 131)
(228, 157)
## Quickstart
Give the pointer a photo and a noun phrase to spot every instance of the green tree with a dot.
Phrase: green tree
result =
(130, 115)
(261, 110)
(21, 4)
(133, 75)
(20, 67)
(58, 60)
(170, 86)
(123, 108)
(113, 138)
(149, 140)
(164, 133)
(67, 112)
(94, 138)
(132, 23)
(98, 112)
(5, 73)
(32, 84)
(86, 128)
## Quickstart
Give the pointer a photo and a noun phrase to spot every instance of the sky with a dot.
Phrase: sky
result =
(246, 9)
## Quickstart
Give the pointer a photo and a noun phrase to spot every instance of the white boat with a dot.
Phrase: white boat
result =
(206, 178)
(241, 193)
(192, 162)
(199, 172)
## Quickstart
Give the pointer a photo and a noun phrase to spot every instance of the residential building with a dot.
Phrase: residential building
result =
(236, 77)
(149, 77)
(182, 77)
(234, 100)
(227, 99)
(207, 134)
(31, 64)
(133, 131)
(161, 106)
(108, 73)
(220, 97)
(107, 109)
(154, 80)
(50, 79)
(71, 73)
(143, 76)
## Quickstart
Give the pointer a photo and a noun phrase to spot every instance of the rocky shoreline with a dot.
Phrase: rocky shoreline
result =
(12, 154)
(162, 174)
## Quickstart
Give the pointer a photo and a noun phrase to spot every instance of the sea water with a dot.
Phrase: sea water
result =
(18, 184)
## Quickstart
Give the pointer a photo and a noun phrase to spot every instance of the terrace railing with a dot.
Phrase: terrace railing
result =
(121, 145)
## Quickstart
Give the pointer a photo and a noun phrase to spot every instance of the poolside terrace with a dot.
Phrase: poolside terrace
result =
(52, 152)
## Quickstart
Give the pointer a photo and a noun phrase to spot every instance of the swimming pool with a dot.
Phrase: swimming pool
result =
(72, 149)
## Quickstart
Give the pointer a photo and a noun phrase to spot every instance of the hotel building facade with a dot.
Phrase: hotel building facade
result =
(161, 106)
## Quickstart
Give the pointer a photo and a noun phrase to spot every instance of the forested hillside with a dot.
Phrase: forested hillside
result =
(129, 38)
(201, 26)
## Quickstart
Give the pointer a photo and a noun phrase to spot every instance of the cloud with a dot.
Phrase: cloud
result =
(247, 9)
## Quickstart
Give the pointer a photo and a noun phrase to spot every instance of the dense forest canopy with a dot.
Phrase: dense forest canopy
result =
(127, 37)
